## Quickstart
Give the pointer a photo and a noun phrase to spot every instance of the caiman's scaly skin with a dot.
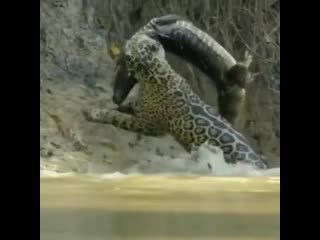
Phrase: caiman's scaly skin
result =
(167, 105)
(183, 39)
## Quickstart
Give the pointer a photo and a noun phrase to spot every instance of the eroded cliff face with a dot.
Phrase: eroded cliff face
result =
(76, 71)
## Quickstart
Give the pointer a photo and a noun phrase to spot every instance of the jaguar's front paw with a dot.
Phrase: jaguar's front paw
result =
(96, 115)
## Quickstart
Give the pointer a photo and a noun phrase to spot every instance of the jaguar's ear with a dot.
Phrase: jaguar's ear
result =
(153, 34)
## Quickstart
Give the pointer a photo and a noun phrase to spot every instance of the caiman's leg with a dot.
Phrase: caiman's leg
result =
(122, 120)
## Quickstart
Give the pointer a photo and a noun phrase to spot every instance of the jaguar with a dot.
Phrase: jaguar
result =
(166, 104)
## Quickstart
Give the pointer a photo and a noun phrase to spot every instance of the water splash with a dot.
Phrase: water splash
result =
(206, 161)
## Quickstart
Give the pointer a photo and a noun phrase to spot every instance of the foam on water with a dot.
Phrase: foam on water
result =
(207, 160)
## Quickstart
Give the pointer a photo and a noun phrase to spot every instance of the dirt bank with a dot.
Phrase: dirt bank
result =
(76, 71)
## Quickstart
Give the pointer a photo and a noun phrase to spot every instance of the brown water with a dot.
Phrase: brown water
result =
(159, 207)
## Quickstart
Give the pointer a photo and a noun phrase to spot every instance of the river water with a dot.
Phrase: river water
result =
(166, 207)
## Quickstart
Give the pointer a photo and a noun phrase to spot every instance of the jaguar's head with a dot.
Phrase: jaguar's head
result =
(144, 54)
